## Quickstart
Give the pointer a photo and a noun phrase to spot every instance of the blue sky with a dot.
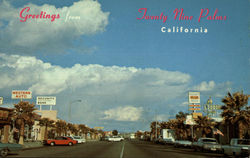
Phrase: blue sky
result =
(118, 64)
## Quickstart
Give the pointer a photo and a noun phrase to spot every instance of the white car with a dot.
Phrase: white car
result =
(237, 147)
(115, 139)
(79, 139)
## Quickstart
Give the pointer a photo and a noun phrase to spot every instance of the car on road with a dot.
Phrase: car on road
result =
(166, 141)
(183, 143)
(104, 138)
(79, 139)
(169, 141)
(207, 144)
(115, 139)
(60, 141)
(237, 147)
(6, 148)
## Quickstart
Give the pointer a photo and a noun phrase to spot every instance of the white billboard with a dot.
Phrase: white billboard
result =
(194, 97)
(45, 100)
(21, 94)
(1, 100)
(189, 120)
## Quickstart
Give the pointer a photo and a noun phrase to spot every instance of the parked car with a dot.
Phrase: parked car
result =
(104, 138)
(6, 148)
(115, 139)
(165, 141)
(207, 144)
(237, 147)
(79, 139)
(60, 141)
(169, 141)
(183, 143)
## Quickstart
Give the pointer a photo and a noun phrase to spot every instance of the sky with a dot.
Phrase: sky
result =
(123, 67)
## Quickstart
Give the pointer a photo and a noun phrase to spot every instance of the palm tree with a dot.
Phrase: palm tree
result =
(155, 129)
(235, 113)
(84, 129)
(182, 131)
(205, 125)
(61, 127)
(46, 122)
(72, 128)
(24, 114)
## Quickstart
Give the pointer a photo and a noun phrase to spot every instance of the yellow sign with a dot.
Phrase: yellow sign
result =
(196, 114)
(98, 128)
(194, 109)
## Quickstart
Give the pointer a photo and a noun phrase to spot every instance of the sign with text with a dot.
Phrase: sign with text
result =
(20, 94)
(189, 120)
(194, 109)
(45, 100)
(1, 100)
(194, 97)
(195, 115)
(195, 105)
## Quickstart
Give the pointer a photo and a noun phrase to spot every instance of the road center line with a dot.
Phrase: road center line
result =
(121, 155)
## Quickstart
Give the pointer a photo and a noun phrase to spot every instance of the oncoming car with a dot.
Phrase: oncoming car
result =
(79, 139)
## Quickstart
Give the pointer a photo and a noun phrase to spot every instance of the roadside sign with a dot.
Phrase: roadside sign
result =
(195, 115)
(194, 97)
(45, 100)
(192, 109)
(1, 100)
(98, 128)
(189, 120)
(195, 105)
(21, 94)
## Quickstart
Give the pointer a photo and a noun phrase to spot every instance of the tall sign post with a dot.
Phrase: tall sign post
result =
(190, 121)
(21, 94)
(210, 109)
(45, 100)
(194, 103)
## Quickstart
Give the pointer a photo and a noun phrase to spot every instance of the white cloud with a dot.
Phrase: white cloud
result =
(45, 78)
(184, 104)
(127, 113)
(101, 88)
(42, 34)
(205, 86)
(162, 117)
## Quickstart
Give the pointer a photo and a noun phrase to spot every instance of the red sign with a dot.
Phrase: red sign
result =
(16, 94)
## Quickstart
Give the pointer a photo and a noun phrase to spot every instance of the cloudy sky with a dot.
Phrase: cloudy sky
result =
(125, 71)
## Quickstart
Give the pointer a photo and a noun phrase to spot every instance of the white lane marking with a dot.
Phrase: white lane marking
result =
(121, 155)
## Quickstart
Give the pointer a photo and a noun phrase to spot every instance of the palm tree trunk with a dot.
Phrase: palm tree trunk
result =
(228, 137)
(21, 133)
(46, 133)
(240, 127)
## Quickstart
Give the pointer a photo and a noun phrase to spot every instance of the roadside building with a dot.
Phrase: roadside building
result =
(39, 131)
(5, 124)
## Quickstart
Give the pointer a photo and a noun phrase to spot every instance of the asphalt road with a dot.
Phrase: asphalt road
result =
(125, 149)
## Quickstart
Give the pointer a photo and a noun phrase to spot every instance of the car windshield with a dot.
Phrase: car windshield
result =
(209, 140)
(244, 142)
(77, 137)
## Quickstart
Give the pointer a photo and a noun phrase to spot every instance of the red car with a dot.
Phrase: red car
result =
(60, 141)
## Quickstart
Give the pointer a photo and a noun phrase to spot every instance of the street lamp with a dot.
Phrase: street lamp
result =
(70, 103)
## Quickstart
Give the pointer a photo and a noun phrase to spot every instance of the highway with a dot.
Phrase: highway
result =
(124, 149)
